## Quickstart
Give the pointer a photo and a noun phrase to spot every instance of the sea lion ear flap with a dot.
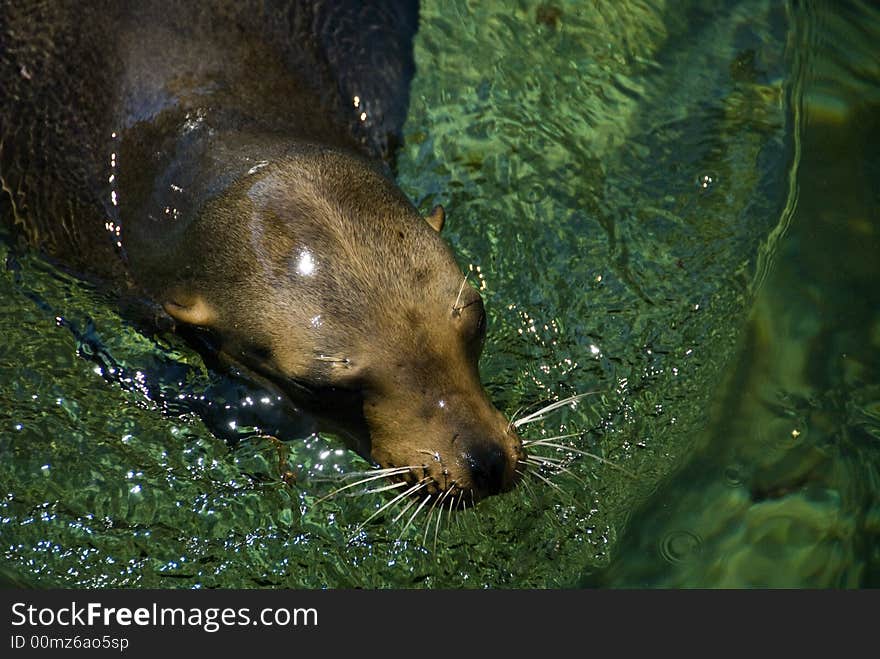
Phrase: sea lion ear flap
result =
(191, 309)
(436, 218)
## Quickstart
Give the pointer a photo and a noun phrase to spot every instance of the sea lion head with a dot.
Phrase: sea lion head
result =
(320, 275)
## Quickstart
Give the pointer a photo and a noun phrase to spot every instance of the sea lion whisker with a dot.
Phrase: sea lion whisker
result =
(526, 484)
(384, 488)
(461, 505)
(403, 510)
(355, 484)
(428, 522)
(553, 467)
(559, 468)
(440, 515)
(529, 442)
(599, 458)
(335, 478)
(415, 488)
(543, 465)
(449, 514)
(549, 442)
(477, 517)
(546, 480)
(543, 458)
(450, 490)
(372, 472)
(513, 416)
(455, 306)
(437, 528)
(415, 514)
(541, 413)
(550, 401)
(522, 408)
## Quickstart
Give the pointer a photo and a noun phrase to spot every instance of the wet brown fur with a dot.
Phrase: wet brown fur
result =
(221, 150)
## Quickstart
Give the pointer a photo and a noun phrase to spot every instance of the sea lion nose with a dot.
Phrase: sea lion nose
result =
(488, 465)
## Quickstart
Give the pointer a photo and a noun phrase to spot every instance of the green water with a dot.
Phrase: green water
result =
(669, 205)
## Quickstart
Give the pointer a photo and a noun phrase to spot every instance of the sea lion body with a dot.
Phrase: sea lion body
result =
(229, 164)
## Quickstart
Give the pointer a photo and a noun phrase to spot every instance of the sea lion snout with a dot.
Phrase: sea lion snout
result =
(464, 451)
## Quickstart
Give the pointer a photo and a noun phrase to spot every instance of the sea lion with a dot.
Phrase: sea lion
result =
(229, 165)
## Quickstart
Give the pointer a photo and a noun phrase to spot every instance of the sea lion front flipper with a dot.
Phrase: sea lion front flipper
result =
(369, 46)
